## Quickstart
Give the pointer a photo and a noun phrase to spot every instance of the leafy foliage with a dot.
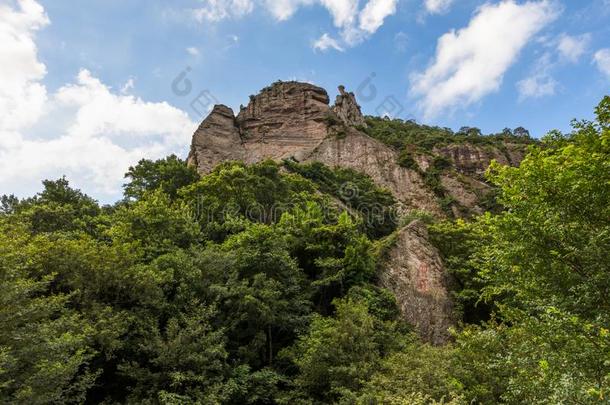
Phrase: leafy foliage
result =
(169, 174)
(338, 354)
(401, 134)
(357, 191)
(547, 262)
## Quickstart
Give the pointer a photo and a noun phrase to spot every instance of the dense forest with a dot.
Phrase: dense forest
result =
(256, 284)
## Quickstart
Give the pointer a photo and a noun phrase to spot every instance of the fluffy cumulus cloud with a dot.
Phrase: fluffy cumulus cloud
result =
(344, 12)
(356, 24)
(437, 6)
(355, 20)
(374, 13)
(96, 133)
(602, 60)
(470, 63)
(22, 97)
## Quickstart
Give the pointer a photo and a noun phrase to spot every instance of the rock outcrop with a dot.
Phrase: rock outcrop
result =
(414, 272)
(217, 139)
(362, 153)
(475, 159)
(466, 191)
(287, 119)
(294, 120)
(348, 110)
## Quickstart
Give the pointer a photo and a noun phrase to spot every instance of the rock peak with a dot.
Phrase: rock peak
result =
(284, 120)
(292, 84)
(347, 109)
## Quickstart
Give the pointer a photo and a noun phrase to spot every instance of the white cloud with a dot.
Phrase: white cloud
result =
(354, 23)
(83, 130)
(536, 86)
(602, 59)
(573, 47)
(471, 62)
(437, 6)
(540, 83)
(191, 50)
(22, 98)
(216, 10)
(128, 86)
(284, 9)
(357, 24)
(374, 13)
(344, 12)
(326, 42)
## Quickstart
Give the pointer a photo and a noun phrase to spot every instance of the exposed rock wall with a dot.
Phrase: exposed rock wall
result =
(466, 191)
(475, 159)
(414, 272)
(347, 109)
(287, 119)
(217, 139)
(364, 154)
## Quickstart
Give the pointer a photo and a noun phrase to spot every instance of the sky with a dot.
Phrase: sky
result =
(87, 89)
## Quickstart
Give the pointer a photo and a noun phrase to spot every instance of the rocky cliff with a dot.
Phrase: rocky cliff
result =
(414, 272)
(292, 120)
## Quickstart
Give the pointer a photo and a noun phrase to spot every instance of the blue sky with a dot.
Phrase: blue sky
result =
(87, 86)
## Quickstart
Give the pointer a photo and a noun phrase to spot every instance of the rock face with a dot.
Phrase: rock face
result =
(414, 272)
(217, 139)
(284, 120)
(348, 110)
(365, 154)
(294, 120)
(474, 159)
(466, 191)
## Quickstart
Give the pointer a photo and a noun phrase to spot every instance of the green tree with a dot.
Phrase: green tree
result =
(154, 225)
(45, 346)
(418, 370)
(169, 174)
(339, 354)
(234, 194)
(358, 192)
(273, 294)
(333, 253)
(185, 361)
(547, 263)
(59, 208)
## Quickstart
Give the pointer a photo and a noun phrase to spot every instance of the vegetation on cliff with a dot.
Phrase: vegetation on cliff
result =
(254, 284)
(400, 134)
